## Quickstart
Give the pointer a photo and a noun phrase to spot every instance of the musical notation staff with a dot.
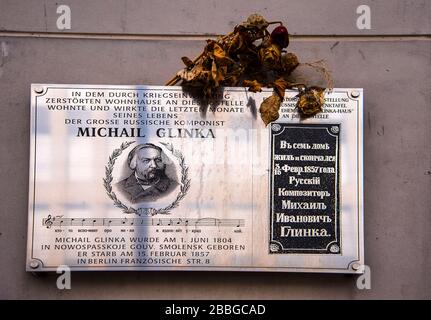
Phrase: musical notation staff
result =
(59, 221)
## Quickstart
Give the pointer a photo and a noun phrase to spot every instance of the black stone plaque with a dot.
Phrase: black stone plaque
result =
(304, 197)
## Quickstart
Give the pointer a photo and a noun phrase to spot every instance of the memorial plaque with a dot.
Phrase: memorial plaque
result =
(304, 188)
(138, 178)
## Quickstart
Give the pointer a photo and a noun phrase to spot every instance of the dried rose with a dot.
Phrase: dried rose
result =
(255, 20)
(270, 56)
(289, 62)
(311, 101)
(238, 56)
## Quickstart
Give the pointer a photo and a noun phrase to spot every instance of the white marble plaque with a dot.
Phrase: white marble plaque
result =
(138, 178)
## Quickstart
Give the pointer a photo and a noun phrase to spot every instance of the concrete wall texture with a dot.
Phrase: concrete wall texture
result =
(141, 42)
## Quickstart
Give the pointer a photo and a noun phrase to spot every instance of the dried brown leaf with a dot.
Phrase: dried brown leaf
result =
(235, 44)
(188, 75)
(194, 75)
(254, 86)
(216, 51)
(269, 108)
(189, 63)
(217, 74)
(280, 85)
(231, 80)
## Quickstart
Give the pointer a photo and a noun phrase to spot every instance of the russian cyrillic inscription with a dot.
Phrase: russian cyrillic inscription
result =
(304, 188)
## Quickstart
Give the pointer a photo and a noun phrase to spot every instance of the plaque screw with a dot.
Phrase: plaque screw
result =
(356, 266)
(34, 264)
(355, 94)
(38, 89)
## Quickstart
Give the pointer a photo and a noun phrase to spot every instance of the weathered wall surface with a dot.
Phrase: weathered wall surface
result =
(140, 42)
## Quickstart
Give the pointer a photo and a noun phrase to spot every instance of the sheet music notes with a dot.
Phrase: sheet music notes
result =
(59, 221)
